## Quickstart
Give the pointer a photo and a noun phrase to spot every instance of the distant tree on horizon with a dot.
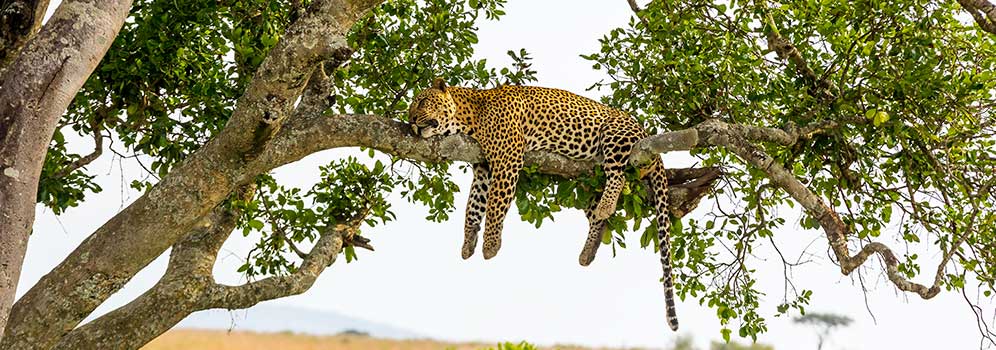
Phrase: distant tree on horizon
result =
(824, 323)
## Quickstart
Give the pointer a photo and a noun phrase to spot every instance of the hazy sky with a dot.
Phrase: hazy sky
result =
(534, 289)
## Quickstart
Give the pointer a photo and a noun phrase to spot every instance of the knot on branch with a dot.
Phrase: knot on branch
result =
(357, 241)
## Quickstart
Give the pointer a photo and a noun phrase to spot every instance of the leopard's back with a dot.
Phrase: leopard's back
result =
(566, 123)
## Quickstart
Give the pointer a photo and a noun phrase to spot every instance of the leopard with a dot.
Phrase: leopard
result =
(509, 120)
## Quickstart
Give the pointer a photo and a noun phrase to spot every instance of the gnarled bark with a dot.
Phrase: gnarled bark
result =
(34, 92)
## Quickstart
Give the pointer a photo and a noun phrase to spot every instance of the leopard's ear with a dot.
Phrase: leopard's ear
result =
(439, 83)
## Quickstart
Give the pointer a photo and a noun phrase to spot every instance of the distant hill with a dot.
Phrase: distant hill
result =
(271, 318)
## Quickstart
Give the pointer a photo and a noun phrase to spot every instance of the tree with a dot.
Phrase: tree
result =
(825, 322)
(860, 112)
(874, 116)
(39, 75)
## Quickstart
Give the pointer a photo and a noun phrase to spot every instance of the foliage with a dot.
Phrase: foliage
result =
(347, 189)
(403, 46)
(513, 346)
(166, 85)
(912, 157)
(737, 346)
(823, 320)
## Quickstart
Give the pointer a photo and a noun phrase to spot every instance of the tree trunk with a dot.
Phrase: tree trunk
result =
(124, 245)
(34, 92)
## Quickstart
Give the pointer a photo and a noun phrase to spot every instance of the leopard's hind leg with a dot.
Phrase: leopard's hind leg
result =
(616, 145)
(596, 228)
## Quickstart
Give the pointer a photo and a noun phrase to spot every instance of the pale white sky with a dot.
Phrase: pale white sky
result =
(534, 289)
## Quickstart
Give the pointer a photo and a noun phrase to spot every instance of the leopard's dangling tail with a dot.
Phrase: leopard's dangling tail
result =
(658, 184)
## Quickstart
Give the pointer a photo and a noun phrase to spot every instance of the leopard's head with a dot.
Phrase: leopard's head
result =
(433, 112)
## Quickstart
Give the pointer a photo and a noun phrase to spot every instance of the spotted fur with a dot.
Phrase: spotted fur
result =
(508, 121)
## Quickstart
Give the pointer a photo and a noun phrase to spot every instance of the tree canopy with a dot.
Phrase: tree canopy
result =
(873, 117)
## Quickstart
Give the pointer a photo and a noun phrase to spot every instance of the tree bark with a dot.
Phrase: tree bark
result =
(174, 297)
(106, 260)
(34, 92)
(188, 286)
(19, 20)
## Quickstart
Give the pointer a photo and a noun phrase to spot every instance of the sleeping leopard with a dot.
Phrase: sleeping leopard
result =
(508, 121)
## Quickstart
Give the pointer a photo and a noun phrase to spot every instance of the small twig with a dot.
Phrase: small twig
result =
(98, 149)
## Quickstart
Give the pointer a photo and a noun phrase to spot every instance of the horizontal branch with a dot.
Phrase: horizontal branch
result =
(312, 133)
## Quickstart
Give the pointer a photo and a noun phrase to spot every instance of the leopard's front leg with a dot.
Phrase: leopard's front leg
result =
(476, 204)
(596, 228)
(504, 176)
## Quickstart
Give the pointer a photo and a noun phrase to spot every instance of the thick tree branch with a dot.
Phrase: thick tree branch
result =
(35, 89)
(323, 254)
(176, 295)
(307, 134)
(983, 12)
(143, 230)
(188, 286)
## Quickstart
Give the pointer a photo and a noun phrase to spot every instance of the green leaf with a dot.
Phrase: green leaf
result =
(256, 224)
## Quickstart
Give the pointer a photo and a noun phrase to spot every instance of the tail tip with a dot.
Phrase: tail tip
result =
(673, 324)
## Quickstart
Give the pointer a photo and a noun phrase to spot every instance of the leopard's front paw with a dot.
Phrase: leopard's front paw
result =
(470, 241)
(491, 247)
(468, 248)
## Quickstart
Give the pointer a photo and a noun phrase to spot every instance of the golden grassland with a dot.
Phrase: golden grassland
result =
(188, 339)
